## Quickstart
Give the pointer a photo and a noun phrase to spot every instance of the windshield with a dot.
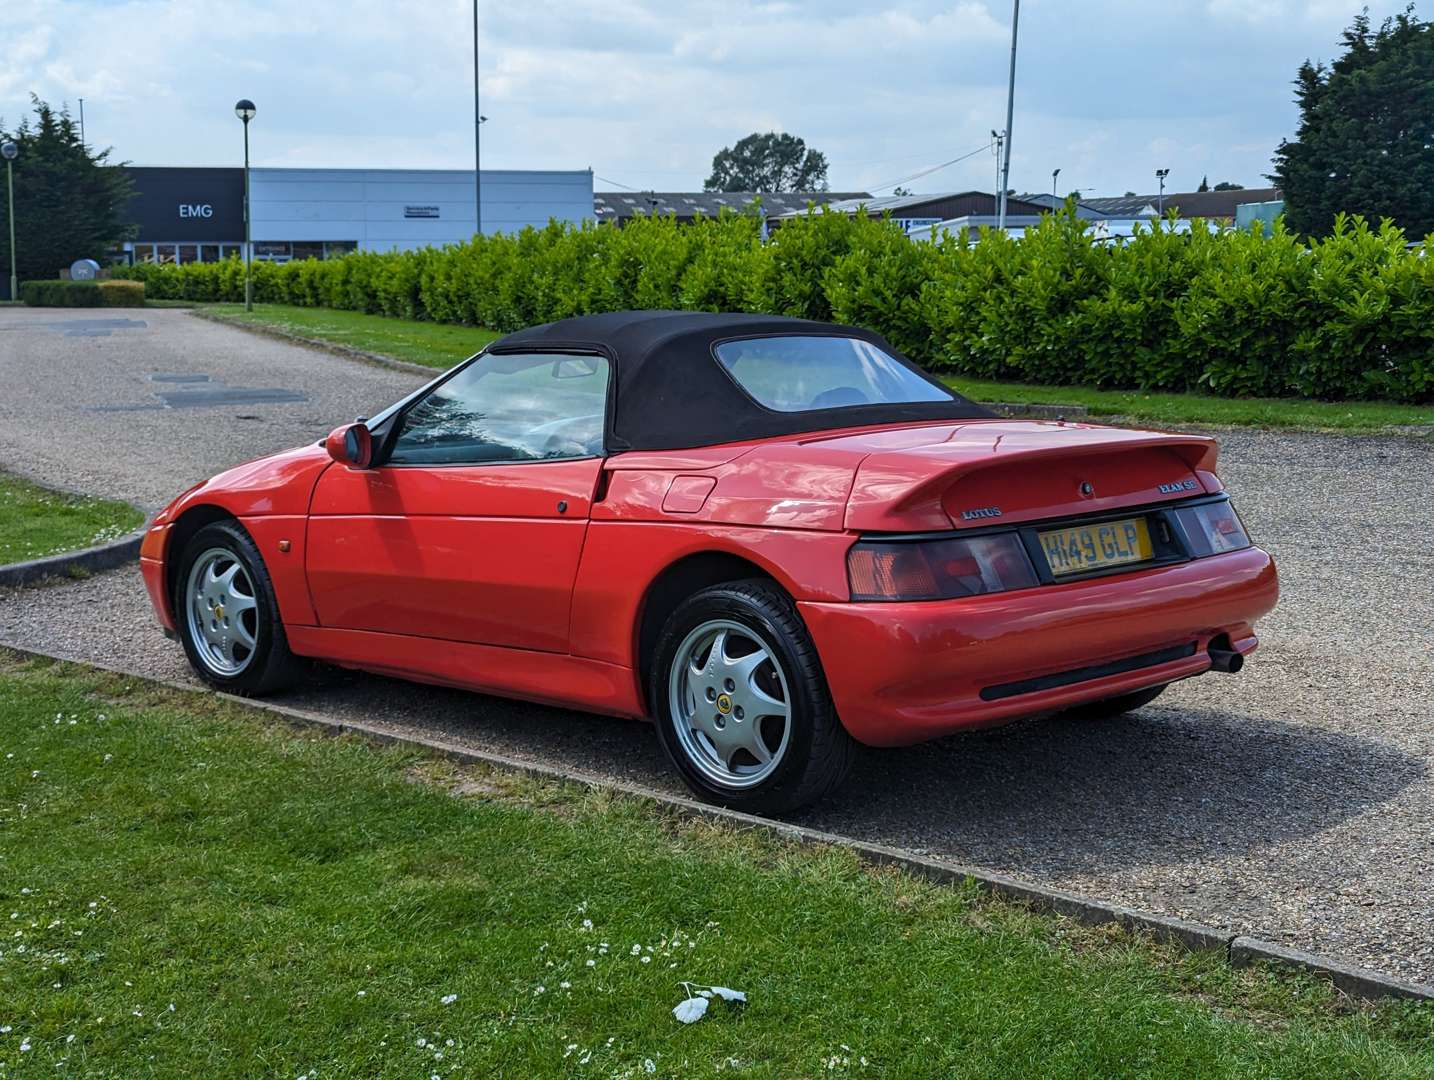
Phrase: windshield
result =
(807, 373)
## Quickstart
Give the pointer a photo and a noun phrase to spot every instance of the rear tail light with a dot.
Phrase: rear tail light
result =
(1213, 528)
(938, 569)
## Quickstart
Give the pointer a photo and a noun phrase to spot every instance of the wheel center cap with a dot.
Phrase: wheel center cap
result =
(724, 704)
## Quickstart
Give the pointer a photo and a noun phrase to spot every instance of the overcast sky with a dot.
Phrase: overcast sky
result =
(645, 93)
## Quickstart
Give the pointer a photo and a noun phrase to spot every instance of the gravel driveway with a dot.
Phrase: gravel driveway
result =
(1294, 801)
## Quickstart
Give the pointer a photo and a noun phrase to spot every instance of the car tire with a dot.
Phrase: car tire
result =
(1111, 707)
(715, 722)
(227, 615)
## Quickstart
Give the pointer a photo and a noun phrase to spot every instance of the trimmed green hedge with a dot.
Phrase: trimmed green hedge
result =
(60, 293)
(1350, 316)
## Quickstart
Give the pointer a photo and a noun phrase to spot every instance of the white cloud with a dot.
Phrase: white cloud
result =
(646, 91)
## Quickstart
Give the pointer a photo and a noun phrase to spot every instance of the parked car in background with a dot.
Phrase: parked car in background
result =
(776, 538)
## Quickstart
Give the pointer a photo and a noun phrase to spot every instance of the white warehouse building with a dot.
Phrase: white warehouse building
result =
(197, 214)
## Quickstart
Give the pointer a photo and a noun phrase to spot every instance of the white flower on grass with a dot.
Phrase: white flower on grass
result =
(448, 999)
(565, 985)
(24, 1046)
(647, 959)
(592, 963)
(587, 924)
(648, 1066)
(691, 1010)
(636, 949)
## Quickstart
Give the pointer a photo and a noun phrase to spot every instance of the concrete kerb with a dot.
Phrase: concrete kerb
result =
(346, 351)
(1239, 950)
(67, 564)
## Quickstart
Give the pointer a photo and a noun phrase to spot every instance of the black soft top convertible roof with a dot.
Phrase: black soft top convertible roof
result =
(669, 392)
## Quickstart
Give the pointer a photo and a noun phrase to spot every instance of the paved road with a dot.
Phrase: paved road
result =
(1294, 801)
(141, 404)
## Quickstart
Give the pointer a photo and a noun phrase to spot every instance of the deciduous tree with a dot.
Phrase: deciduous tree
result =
(769, 162)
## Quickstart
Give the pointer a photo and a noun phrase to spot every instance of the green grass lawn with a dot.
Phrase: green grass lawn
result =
(440, 346)
(35, 521)
(436, 345)
(189, 889)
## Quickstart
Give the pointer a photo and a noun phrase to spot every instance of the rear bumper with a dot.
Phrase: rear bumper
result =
(901, 673)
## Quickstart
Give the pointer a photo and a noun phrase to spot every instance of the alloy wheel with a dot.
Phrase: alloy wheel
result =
(222, 612)
(731, 708)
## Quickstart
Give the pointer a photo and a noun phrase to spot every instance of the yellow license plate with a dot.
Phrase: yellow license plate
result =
(1094, 547)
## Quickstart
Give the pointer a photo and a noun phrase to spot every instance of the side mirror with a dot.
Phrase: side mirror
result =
(350, 444)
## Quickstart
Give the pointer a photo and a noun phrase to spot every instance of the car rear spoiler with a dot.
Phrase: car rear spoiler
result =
(904, 490)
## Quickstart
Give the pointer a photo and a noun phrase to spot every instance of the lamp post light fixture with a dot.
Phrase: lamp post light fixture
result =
(1054, 174)
(998, 140)
(477, 179)
(9, 151)
(1161, 174)
(244, 109)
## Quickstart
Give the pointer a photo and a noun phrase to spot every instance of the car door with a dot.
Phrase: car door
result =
(471, 526)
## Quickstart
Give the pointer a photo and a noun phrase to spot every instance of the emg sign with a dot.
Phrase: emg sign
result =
(196, 210)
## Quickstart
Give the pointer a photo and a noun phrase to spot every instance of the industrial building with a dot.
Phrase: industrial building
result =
(687, 206)
(918, 211)
(197, 214)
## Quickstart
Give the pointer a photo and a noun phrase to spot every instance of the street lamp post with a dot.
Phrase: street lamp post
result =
(1161, 174)
(244, 109)
(9, 151)
(477, 179)
(1010, 112)
(1054, 174)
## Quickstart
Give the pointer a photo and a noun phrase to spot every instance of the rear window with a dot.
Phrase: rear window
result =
(804, 374)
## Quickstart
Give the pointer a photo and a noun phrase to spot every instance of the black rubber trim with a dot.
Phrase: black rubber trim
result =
(1086, 674)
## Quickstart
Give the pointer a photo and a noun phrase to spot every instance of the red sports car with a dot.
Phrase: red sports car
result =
(777, 538)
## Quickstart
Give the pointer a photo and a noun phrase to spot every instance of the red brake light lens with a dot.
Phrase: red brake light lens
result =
(1213, 528)
(938, 569)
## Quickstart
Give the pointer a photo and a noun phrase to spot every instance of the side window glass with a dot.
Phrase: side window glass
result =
(509, 407)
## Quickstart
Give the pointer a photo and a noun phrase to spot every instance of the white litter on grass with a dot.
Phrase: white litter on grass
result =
(448, 999)
(648, 1065)
(691, 1010)
(728, 994)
